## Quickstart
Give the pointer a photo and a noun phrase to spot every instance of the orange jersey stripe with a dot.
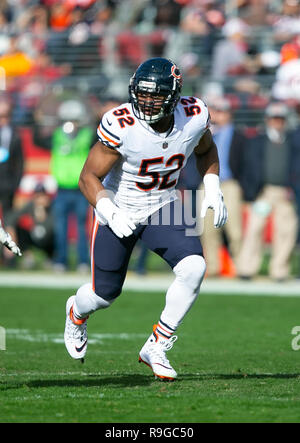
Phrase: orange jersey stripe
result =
(108, 139)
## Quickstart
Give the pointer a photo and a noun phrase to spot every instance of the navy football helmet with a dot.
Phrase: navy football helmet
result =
(160, 79)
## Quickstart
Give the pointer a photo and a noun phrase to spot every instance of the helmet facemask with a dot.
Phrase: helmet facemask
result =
(151, 110)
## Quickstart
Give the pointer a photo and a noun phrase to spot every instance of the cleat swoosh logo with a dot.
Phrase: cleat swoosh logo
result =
(81, 347)
(167, 367)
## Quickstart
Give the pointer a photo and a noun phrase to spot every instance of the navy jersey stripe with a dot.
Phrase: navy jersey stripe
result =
(110, 133)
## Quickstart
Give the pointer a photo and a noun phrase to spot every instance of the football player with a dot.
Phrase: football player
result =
(7, 241)
(129, 178)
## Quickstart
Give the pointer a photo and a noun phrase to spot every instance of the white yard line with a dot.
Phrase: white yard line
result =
(42, 336)
(151, 283)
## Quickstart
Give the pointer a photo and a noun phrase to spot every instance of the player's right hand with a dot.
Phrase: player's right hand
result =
(117, 220)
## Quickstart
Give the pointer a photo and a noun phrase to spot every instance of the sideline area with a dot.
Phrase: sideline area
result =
(151, 282)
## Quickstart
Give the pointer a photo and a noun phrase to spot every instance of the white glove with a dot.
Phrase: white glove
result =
(117, 220)
(6, 240)
(213, 199)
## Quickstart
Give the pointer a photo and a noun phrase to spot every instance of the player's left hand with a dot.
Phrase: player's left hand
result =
(214, 200)
(7, 241)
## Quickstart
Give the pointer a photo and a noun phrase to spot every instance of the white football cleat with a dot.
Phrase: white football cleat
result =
(75, 335)
(153, 355)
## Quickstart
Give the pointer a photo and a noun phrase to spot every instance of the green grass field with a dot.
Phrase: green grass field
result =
(233, 356)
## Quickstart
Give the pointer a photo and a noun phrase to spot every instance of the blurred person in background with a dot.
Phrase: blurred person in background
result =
(287, 23)
(266, 184)
(202, 22)
(69, 144)
(15, 61)
(254, 12)
(295, 137)
(11, 157)
(286, 85)
(230, 54)
(32, 225)
(11, 172)
(231, 145)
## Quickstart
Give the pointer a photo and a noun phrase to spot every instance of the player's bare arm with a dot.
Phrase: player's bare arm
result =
(207, 155)
(208, 165)
(100, 161)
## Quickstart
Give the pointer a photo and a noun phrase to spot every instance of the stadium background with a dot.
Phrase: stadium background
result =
(53, 50)
(239, 365)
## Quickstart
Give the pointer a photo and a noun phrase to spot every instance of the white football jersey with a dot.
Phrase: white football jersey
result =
(144, 178)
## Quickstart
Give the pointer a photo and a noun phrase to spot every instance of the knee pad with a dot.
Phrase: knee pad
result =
(191, 270)
(87, 301)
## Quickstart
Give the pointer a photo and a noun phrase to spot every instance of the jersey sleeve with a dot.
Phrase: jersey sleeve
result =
(195, 114)
(205, 117)
(109, 132)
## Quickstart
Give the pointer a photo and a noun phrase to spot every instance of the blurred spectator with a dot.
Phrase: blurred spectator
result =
(4, 23)
(291, 49)
(254, 12)
(80, 37)
(266, 184)
(230, 56)
(286, 86)
(295, 137)
(167, 13)
(288, 22)
(60, 16)
(15, 61)
(31, 87)
(69, 144)
(247, 95)
(287, 81)
(231, 145)
(131, 49)
(202, 20)
(32, 225)
(11, 156)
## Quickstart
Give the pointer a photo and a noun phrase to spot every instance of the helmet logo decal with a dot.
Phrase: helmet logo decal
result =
(175, 72)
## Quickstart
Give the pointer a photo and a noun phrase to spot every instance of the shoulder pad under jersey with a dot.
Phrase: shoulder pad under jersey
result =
(196, 110)
(112, 127)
